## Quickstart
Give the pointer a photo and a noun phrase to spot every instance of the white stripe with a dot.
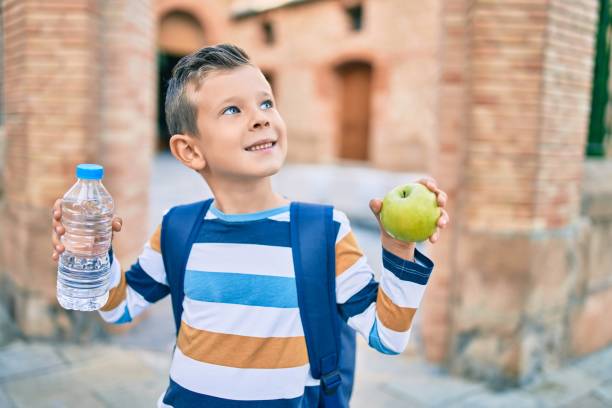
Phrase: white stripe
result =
(115, 273)
(153, 264)
(242, 320)
(135, 302)
(242, 384)
(345, 226)
(355, 278)
(363, 322)
(249, 259)
(284, 216)
(402, 293)
(111, 316)
(391, 339)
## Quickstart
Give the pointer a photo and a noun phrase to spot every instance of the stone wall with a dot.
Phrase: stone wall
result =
(591, 299)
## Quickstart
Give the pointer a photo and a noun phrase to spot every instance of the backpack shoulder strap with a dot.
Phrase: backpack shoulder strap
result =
(180, 228)
(314, 262)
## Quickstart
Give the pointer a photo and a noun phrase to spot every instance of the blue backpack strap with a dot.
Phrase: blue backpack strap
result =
(180, 228)
(314, 261)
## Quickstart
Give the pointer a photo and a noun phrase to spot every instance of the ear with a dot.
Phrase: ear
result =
(187, 151)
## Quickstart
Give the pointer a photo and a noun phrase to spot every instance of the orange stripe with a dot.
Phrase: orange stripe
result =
(392, 316)
(155, 239)
(347, 253)
(232, 350)
(116, 295)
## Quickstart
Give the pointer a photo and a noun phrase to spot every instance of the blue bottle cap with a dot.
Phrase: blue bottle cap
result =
(90, 171)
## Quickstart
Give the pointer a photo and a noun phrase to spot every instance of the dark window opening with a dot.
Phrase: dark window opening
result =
(355, 14)
(355, 78)
(165, 63)
(268, 32)
(598, 131)
(1, 70)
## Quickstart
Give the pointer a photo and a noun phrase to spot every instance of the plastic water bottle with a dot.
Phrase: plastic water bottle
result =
(83, 274)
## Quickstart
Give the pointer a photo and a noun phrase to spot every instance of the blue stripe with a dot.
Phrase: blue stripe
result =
(417, 272)
(262, 232)
(360, 301)
(144, 284)
(241, 289)
(178, 396)
(374, 341)
(248, 216)
(125, 317)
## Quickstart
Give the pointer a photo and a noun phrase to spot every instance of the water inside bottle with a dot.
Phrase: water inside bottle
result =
(84, 267)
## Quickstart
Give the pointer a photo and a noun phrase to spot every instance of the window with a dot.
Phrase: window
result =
(268, 32)
(355, 15)
(598, 131)
(1, 70)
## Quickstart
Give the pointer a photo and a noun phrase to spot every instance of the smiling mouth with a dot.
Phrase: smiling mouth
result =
(264, 146)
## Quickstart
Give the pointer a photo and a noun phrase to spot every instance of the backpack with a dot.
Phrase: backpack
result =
(330, 341)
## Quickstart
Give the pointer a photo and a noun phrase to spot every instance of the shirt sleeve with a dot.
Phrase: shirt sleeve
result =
(143, 284)
(381, 311)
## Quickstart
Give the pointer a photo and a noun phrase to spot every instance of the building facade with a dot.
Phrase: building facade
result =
(492, 98)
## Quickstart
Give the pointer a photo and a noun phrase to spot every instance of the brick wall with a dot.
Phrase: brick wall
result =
(128, 112)
(448, 170)
(75, 92)
(314, 38)
(513, 160)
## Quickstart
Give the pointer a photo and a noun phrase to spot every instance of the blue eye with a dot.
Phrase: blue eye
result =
(230, 110)
(268, 103)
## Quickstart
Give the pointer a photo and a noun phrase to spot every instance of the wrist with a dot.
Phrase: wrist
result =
(404, 250)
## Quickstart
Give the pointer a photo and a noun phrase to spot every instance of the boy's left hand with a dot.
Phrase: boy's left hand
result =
(443, 220)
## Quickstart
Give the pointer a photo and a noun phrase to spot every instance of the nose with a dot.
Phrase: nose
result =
(259, 121)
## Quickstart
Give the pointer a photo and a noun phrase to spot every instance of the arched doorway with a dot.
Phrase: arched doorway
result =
(179, 34)
(354, 113)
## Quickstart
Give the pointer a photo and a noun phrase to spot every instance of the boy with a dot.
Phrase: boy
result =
(241, 341)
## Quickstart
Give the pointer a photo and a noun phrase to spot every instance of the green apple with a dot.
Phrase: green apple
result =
(410, 212)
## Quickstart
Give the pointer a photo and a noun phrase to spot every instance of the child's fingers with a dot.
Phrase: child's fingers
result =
(55, 256)
(430, 184)
(375, 206)
(117, 224)
(444, 219)
(57, 209)
(435, 236)
(442, 198)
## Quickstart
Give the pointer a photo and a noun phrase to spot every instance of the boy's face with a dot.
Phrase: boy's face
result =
(236, 111)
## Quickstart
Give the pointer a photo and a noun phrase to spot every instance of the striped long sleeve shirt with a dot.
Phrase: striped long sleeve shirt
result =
(241, 341)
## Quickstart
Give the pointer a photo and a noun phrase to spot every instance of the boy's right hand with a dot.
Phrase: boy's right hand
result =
(59, 230)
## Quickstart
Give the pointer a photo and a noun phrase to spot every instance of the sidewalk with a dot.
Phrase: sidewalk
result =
(36, 375)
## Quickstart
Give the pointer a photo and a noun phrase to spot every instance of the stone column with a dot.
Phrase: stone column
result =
(513, 164)
(128, 112)
(75, 93)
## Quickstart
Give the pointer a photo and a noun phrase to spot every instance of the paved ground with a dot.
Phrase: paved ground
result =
(132, 370)
(45, 375)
